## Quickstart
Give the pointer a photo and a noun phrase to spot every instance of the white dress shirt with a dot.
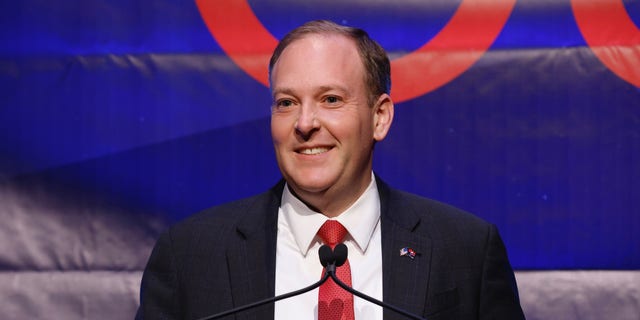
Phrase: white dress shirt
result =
(298, 265)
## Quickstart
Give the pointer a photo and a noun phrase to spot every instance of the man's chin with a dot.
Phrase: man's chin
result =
(308, 187)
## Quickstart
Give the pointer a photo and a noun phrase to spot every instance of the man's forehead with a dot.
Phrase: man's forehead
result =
(321, 41)
(326, 49)
(318, 60)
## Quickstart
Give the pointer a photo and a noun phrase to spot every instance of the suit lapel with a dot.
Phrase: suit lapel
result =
(251, 257)
(405, 280)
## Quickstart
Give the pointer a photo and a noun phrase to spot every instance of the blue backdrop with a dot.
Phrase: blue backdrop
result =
(135, 104)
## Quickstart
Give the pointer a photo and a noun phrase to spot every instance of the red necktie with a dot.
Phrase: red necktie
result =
(335, 303)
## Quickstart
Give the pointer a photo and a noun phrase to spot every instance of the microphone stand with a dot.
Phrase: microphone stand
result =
(370, 299)
(268, 300)
(330, 260)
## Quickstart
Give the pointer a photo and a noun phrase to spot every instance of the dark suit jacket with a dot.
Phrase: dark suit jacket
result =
(224, 257)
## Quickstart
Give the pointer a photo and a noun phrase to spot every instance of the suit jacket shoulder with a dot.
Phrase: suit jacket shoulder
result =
(213, 261)
(460, 269)
(246, 214)
(414, 208)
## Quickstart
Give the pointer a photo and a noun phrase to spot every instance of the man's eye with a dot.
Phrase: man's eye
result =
(332, 99)
(284, 103)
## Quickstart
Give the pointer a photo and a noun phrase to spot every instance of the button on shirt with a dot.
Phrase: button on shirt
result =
(298, 265)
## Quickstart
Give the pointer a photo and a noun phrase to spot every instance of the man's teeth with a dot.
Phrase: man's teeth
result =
(314, 150)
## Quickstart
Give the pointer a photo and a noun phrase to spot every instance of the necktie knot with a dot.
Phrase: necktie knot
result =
(332, 232)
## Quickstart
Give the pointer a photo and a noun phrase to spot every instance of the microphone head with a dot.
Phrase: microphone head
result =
(326, 255)
(340, 253)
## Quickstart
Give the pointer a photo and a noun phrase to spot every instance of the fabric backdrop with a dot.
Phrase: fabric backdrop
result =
(119, 118)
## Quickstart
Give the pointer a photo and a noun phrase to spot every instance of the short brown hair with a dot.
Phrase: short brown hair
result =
(374, 57)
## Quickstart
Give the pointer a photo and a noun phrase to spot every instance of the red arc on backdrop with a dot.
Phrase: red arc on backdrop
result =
(611, 35)
(464, 39)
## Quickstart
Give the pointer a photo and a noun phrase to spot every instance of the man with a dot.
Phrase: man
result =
(330, 86)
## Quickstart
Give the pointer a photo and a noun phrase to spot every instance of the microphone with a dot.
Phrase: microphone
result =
(328, 261)
(326, 256)
(340, 253)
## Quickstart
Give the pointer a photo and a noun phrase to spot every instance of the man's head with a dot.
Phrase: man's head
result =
(326, 117)
(374, 57)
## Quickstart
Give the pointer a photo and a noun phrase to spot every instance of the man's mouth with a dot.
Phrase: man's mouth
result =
(312, 151)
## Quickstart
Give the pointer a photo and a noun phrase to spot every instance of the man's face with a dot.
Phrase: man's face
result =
(322, 126)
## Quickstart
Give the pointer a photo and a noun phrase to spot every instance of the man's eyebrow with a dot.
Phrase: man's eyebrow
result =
(333, 87)
(285, 90)
(318, 90)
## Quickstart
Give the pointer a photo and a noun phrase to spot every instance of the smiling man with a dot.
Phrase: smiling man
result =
(331, 105)
(325, 121)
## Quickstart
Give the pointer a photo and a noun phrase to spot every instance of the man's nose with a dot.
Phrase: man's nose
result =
(307, 121)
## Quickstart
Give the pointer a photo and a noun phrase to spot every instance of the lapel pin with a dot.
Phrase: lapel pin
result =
(408, 252)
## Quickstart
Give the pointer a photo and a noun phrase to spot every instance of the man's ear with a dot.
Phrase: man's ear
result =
(382, 117)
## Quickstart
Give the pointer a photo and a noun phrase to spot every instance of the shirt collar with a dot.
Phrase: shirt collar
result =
(360, 219)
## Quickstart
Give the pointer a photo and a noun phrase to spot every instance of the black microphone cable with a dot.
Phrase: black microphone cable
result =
(328, 261)
(340, 252)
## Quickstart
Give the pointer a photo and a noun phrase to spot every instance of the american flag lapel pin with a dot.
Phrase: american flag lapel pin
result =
(408, 252)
